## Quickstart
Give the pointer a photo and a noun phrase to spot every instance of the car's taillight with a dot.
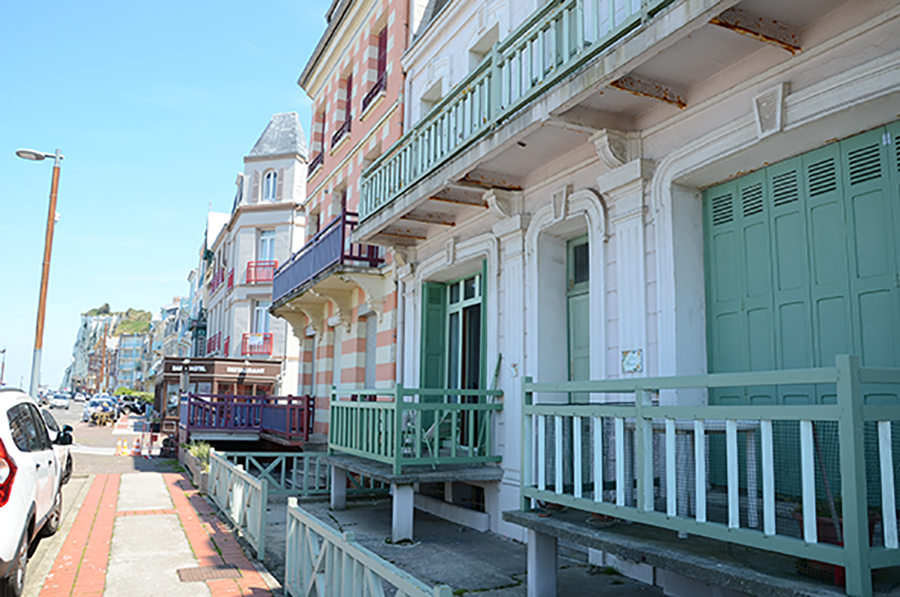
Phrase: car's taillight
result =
(7, 474)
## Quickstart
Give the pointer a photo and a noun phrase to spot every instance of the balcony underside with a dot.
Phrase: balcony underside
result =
(687, 54)
(416, 473)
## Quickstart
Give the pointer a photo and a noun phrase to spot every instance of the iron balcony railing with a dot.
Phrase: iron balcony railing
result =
(214, 343)
(556, 40)
(315, 163)
(414, 426)
(259, 272)
(378, 88)
(230, 284)
(815, 481)
(329, 247)
(342, 130)
(217, 280)
(287, 417)
(256, 344)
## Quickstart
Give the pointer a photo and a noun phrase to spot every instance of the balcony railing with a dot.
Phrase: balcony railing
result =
(256, 344)
(230, 285)
(750, 474)
(329, 247)
(214, 343)
(557, 39)
(217, 280)
(226, 349)
(315, 163)
(411, 426)
(287, 417)
(377, 89)
(342, 130)
(259, 272)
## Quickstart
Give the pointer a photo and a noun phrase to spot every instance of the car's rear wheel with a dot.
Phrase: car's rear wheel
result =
(54, 519)
(14, 584)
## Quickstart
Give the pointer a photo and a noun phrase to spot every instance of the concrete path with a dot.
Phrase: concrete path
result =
(149, 534)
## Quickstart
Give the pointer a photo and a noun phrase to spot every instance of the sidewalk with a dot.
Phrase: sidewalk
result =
(149, 534)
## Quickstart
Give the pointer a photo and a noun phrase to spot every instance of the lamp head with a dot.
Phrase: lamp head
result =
(30, 154)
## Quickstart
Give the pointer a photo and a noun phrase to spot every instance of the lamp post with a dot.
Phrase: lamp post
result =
(37, 156)
(2, 366)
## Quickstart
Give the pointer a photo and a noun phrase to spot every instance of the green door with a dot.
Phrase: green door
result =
(578, 309)
(802, 264)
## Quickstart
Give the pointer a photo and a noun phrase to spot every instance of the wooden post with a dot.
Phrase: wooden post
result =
(853, 475)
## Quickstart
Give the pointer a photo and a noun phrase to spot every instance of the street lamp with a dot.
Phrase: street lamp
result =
(37, 156)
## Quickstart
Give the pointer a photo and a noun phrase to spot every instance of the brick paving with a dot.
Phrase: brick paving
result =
(81, 567)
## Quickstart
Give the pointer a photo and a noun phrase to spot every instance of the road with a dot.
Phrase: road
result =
(93, 452)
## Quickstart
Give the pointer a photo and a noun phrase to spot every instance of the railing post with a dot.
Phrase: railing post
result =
(644, 457)
(527, 439)
(332, 419)
(263, 506)
(496, 89)
(853, 475)
(398, 427)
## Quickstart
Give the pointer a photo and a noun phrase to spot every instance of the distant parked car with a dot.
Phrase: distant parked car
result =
(59, 401)
(30, 488)
(93, 405)
(79, 397)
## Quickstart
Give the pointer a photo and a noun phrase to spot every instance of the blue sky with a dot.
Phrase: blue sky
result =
(154, 105)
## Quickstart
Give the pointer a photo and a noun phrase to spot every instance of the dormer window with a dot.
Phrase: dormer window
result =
(270, 184)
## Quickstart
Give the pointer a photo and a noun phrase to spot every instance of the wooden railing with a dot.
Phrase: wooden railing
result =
(319, 560)
(557, 39)
(256, 344)
(261, 271)
(287, 417)
(329, 247)
(242, 498)
(412, 426)
(300, 474)
(751, 475)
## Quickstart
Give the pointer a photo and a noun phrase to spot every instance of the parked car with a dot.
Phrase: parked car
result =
(59, 401)
(63, 451)
(79, 397)
(91, 406)
(30, 485)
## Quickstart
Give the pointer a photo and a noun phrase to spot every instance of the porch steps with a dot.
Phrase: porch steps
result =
(715, 563)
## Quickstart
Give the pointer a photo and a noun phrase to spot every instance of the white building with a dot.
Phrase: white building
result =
(263, 230)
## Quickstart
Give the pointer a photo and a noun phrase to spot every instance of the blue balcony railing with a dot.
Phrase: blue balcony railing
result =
(329, 247)
(556, 40)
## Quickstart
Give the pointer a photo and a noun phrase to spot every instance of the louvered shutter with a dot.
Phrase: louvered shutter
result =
(279, 187)
(254, 191)
(433, 369)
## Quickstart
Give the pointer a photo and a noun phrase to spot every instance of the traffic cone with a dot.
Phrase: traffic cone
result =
(124, 448)
(136, 447)
(119, 448)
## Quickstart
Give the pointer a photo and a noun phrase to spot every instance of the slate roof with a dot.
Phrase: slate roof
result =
(283, 135)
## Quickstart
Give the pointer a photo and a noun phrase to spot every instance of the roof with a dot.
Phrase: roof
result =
(282, 136)
(334, 16)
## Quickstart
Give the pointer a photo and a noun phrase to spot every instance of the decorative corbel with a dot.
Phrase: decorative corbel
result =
(768, 110)
(297, 321)
(503, 203)
(616, 148)
(372, 286)
(342, 301)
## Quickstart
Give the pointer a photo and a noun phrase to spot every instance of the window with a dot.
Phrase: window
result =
(380, 82)
(27, 428)
(270, 185)
(261, 317)
(266, 250)
(453, 334)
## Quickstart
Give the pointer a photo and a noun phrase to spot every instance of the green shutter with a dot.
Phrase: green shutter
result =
(433, 367)
(483, 325)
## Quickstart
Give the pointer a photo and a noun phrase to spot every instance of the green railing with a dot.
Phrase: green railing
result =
(557, 39)
(300, 474)
(747, 474)
(414, 426)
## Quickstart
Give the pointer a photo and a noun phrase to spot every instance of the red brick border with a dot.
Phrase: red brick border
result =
(80, 566)
(210, 537)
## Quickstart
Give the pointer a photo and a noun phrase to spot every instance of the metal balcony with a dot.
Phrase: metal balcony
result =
(261, 272)
(328, 248)
(256, 344)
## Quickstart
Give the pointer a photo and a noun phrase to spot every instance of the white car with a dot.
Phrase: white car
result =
(61, 447)
(59, 401)
(30, 485)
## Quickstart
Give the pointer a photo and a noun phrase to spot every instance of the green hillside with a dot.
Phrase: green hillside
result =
(132, 321)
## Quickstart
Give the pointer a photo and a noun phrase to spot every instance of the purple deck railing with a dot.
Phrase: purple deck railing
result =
(330, 246)
(287, 417)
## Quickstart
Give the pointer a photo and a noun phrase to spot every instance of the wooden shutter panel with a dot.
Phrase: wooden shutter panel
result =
(254, 190)
(279, 186)
(483, 326)
(382, 52)
(433, 368)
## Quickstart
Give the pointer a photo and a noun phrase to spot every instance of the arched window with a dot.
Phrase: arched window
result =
(270, 183)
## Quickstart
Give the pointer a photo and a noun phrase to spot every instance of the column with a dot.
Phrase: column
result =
(542, 565)
(403, 512)
(338, 488)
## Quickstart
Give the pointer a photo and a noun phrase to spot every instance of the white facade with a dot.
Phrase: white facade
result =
(627, 172)
(264, 229)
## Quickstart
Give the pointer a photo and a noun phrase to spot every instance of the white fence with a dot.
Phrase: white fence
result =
(321, 562)
(242, 498)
